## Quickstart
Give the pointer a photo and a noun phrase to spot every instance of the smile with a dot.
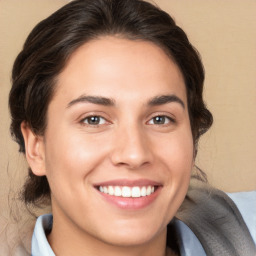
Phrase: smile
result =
(129, 194)
(125, 191)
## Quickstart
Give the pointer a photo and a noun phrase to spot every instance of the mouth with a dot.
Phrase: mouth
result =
(129, 194)
(127, 191)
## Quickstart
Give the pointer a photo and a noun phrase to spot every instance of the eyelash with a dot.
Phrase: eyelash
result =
(166, 118)
(86, 120)
(83, 121)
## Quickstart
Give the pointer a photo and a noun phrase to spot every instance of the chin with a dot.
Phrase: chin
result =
(129, 240)
(131, 235)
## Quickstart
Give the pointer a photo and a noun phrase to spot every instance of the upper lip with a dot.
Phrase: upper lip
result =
(128, 183)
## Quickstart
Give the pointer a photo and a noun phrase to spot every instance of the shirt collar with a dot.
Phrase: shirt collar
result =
(188, 242)
(40, 245)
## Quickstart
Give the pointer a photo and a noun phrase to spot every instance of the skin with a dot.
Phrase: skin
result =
(128, 143)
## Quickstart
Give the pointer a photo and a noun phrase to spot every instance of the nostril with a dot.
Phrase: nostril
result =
(132, 150)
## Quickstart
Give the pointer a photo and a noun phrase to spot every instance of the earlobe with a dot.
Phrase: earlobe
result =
(34, 146)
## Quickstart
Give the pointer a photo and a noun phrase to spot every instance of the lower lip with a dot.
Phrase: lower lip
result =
(131, 203)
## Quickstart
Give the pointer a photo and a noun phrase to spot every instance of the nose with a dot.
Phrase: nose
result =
(131, 148)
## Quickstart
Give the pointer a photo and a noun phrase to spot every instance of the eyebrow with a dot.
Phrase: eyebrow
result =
(164, 99)
(155, 101)
(92, 99)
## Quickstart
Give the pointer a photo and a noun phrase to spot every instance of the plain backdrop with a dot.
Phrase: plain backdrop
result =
(224, 32)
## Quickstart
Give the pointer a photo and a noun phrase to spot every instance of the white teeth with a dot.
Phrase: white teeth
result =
(118, 191)
(135, 192)
(105, 190)
(143, 191)
(111, 190)
(126, 191)
(148, 191)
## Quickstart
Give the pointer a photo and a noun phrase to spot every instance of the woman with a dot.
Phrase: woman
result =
(107, 105)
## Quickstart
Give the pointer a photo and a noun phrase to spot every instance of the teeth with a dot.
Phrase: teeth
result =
(126, 191)
(118, 191)
(135, 192)
(143, 191)
(148, 191)
(105, 190)
(111, 190)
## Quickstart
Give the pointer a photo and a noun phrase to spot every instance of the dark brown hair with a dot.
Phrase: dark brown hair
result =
(53, 40)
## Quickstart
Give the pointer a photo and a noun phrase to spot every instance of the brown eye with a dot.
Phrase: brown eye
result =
(94, 120)
(161, 120)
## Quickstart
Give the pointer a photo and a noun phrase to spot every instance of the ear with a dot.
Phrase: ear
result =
(35, 153)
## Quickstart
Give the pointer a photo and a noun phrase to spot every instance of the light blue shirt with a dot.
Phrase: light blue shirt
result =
(189, 244)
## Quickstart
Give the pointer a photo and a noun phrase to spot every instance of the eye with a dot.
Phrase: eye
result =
(94, 120)
(161, 120)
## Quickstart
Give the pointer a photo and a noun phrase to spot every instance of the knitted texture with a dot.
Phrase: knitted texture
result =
(216, 221)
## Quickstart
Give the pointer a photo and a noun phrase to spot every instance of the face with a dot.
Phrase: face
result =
(118, 148)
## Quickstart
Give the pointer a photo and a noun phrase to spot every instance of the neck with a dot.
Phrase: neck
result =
(69, 239)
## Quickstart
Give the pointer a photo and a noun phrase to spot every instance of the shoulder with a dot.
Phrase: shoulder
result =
(246, 204)
(189, 245)
(222, 222)
(40, 245)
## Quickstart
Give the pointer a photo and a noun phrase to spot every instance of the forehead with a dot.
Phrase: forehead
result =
(109, 66)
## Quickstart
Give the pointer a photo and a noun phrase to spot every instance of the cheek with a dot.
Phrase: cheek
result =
(177, 153)
(176, 157)
(70, 159)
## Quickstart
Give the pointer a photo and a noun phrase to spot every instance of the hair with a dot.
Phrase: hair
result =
(52, 42)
